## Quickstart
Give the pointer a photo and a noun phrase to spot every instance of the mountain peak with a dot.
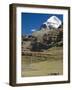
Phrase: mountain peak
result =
(52, 22)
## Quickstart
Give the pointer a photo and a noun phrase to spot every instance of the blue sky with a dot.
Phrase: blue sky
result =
(31, 21)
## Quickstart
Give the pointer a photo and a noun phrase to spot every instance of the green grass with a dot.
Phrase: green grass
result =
(43, 66)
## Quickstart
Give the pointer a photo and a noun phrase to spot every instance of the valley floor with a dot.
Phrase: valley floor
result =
(43, 66)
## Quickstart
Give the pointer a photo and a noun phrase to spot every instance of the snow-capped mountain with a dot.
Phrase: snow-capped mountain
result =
(52, 22)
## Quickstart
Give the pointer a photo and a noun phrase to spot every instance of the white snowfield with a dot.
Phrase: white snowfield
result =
(53, 21)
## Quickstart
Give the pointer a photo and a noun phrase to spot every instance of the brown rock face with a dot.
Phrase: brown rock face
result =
(43, 39)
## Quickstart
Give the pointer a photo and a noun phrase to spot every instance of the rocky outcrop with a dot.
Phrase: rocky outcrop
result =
(44, 39)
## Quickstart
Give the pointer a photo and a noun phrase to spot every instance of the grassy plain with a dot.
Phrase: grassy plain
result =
(43, 66)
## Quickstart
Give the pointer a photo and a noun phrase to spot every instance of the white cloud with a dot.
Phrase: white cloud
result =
(33, 30)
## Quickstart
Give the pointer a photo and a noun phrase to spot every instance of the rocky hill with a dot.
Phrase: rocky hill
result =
(43, 39)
